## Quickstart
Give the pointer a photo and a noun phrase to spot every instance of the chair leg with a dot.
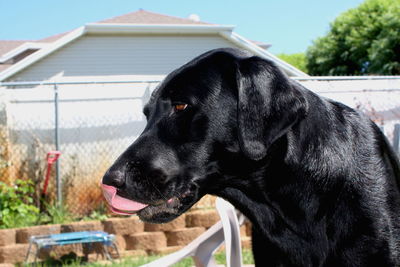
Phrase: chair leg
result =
(231, 229)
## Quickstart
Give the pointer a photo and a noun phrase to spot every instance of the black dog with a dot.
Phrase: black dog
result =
(318, 180)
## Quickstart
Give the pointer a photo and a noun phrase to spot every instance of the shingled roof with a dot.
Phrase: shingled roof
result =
(145, 17)
(53, 38)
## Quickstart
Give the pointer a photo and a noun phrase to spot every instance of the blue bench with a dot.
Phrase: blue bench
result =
(87, 237)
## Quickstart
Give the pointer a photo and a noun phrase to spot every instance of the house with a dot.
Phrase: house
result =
(137, 46)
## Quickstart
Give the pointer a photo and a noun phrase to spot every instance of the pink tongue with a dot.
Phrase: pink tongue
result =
(120, 203)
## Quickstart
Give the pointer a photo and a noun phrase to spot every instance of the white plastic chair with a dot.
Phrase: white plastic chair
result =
(203, 247)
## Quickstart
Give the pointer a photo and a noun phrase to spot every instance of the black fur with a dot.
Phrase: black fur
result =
(317, 179)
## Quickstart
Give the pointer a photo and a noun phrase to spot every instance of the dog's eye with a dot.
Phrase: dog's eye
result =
(180, 107)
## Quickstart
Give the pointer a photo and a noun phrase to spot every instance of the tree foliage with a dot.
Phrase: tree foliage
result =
(361, 41)
(297, 60)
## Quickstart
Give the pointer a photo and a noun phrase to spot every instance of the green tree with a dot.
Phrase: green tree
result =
(297, 60)
(361, 41)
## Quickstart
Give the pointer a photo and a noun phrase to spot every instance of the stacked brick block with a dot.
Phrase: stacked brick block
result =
(133, 237)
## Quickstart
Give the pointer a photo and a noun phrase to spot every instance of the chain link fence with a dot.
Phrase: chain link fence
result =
(92, 123)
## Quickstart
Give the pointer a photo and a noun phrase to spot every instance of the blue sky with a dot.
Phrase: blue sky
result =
(289, 25)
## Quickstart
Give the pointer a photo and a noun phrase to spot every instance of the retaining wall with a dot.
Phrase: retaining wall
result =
(133, 237)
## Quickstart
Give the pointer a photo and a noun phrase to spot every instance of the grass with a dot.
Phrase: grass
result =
(139, 261)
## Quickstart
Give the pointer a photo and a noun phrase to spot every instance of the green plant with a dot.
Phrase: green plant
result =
(16, 204)
(298, 60)
(99, 214)
(55, 214)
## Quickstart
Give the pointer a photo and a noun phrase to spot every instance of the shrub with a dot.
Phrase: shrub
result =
(16, 205)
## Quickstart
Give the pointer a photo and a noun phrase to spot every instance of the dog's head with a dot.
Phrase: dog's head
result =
(223, 102)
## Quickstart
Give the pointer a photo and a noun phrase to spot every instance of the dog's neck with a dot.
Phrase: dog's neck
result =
(263, 187)
(252, 179)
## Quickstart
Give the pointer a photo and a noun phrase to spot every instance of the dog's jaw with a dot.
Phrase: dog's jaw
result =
(168, 210)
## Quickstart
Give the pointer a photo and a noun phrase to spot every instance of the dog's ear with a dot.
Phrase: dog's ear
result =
(268, 105)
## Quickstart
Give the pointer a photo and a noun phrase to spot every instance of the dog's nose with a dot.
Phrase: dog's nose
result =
(114, 177)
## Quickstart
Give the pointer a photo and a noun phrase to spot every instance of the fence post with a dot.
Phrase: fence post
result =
(396, 139)
(57, 143)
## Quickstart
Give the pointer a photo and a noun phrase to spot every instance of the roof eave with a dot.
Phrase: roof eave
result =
(46, 50)
(156, 28)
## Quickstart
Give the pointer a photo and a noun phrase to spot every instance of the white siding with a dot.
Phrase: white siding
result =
(99, 57)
